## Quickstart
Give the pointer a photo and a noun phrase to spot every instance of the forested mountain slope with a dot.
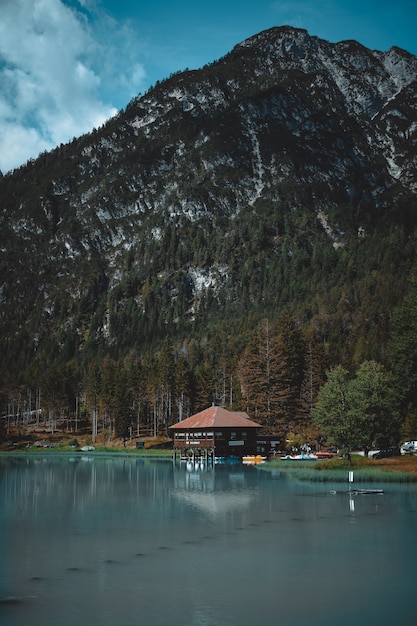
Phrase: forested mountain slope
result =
(278, 181)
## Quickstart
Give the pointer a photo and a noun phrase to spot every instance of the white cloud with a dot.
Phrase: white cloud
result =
(54, 70)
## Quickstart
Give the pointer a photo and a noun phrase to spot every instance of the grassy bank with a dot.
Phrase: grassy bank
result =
(398, 469)
(98, 451)
(39, 440)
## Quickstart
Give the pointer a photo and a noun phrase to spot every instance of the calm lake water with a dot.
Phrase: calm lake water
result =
(120, 541)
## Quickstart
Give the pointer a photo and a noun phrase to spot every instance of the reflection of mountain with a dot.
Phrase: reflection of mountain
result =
(211, 491)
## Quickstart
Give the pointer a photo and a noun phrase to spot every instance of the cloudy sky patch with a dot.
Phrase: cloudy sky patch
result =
(52, 69)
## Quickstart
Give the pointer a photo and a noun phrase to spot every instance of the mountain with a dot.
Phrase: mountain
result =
(280, 177)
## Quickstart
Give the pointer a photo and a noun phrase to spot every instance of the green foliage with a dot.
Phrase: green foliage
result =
(333, 411)
(375, 405)
(358, 412)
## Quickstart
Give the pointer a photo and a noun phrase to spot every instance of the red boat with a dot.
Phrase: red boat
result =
(324, 455)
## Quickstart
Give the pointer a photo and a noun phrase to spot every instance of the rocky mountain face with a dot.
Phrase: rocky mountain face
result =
(282, 175)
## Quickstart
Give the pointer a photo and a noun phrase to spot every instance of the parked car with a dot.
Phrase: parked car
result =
(385, 453)
(408, 446)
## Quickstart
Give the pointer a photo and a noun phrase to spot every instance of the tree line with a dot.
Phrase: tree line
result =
(281, 375)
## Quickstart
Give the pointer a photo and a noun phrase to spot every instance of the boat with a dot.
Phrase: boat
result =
(219, 460)
(299, 457)
(254, 459)
(325, 455)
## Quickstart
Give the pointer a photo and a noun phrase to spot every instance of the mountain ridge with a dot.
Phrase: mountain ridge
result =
(257, 183)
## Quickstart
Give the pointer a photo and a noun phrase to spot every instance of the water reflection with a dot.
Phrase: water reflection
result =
(214, 490)
(112, 541)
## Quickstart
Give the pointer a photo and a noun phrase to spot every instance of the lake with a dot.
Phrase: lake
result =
(115, 541)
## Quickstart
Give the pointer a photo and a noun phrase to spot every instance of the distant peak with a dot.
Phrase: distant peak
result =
(276, 32)
(396, 51)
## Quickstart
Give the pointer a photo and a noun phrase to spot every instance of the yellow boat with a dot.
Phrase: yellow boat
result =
(254, 458)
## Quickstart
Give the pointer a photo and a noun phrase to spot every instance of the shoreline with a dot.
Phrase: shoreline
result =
(393, 470)
(396, 469)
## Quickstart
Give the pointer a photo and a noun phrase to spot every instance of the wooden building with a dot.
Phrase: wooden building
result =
(216, 432)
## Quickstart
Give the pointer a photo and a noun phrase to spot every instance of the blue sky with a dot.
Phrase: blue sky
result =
(68, 65)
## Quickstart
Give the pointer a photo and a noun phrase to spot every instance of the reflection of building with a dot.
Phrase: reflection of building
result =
(214, 492)
(216, 432)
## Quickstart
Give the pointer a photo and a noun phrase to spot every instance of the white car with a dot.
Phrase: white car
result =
(408, 446)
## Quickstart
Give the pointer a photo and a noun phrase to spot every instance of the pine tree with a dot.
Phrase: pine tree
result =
(123, 405)
(290, 361)
(315, 366)
(270, 373)
(402, 353)
(182, 382)
(93, 396)
(137, 390)
(166, 378)
(255, 376)
(107, 394)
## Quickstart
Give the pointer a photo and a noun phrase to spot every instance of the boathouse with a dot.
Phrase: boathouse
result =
(216, 432)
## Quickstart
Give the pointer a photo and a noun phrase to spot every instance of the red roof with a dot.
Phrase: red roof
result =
(217, 417)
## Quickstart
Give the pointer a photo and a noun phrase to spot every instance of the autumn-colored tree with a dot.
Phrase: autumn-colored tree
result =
(271, 372)
(256, 370)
